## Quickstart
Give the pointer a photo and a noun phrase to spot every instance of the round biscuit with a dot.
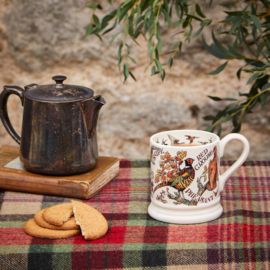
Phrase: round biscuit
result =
(69, 225)
(31, 228)
(58, 214)
(93, 224)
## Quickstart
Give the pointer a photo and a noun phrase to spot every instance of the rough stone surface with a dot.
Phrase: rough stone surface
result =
(39, 39)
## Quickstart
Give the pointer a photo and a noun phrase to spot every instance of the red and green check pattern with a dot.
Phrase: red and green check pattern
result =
(239, 239)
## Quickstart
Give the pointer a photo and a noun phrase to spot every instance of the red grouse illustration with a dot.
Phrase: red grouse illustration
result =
(190, 138)
(213, 171)
(182, 179)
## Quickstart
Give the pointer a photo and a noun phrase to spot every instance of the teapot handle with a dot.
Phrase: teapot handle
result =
(8, 90)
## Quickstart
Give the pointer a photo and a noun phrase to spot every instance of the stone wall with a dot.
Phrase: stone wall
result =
(39, 39)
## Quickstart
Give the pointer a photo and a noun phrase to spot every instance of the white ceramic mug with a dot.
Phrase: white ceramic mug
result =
(185, 178)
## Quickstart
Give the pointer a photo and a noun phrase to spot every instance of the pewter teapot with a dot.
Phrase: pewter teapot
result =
(58, 128)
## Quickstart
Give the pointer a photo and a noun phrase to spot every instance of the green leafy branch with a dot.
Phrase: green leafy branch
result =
(141, 17)
(244, 34)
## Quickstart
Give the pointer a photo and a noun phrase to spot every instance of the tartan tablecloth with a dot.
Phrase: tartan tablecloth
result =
(239, 239)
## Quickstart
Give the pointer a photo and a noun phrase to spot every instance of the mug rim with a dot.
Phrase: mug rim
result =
(186, 147)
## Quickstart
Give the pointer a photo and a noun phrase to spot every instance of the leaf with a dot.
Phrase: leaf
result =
(226, 118)
(111, 28)
(168, 18)
(243, 39)
(176, 43)
(248, 109)
(235, 25)
(238, 74)
(233, 109)
(209, 118)
(235, 13)
(236, 128)
(221, 48)
(89, 29)
(221, 113)
(189, 33)
(218, 70)
(126, 2)
(198, 10)
(151, 54)
(96, 19)
(210, 128)
(147, 13)
(153, 70)
(219, 131)
(130, 25)
(128, 49)
(149, 45)
(179, 23)
(234, 51)
(187, 22)
(126, 71)
(234, 120)
(170, 62)
(146, 27)
(191, 16)
(135, 41)
(163, 75)
(147, 67)
(139, 13)
(106, 19)
(113, 38)
(123, 12)
(159, 45)
(158, 36)
(138, 29)
(212, 49)
(159, 66)
(253, 62)
(94, 5)
(132, 76)
(120, 55)
(253, 77)
(206, 22)
(198, 31)
(96, 34)
(132, 59)
(264, 96)
(168, 53)
(256, 22)
(215, 98)
(139, 19)
(155, 3)
(266, 86)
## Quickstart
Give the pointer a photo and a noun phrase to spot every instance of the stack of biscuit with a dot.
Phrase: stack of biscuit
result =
(66, 220)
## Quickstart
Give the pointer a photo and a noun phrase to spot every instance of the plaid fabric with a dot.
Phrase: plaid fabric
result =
(239, 239)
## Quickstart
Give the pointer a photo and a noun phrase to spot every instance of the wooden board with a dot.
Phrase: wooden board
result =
(82, 186)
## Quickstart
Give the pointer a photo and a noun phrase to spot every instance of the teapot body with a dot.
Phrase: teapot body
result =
(58, 129)
(54, 139)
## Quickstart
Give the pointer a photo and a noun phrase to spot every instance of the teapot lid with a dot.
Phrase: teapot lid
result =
(57, 93)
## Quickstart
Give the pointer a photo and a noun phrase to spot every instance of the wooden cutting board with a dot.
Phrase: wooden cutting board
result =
(83, 186)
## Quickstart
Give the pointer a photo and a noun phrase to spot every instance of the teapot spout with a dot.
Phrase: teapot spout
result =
(90, 109)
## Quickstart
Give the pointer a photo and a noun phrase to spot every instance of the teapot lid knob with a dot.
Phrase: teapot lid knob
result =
(59, 79)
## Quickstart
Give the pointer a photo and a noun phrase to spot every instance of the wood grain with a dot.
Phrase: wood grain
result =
(82, 186)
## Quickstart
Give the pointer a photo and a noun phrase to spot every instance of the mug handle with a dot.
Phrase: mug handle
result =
(223, 178)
